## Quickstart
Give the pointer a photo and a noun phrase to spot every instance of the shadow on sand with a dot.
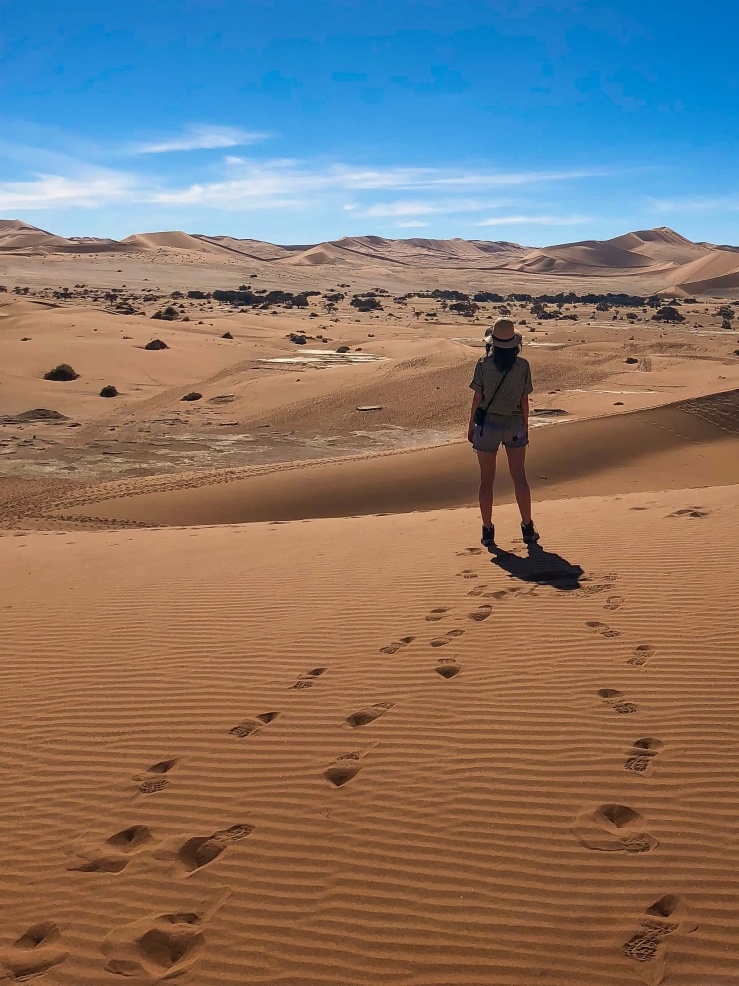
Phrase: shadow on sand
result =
(539, 566)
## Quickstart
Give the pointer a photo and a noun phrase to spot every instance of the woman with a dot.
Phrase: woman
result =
(502, 384)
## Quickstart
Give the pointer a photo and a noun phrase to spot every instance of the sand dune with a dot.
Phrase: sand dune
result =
(645, 450)
(353, 751)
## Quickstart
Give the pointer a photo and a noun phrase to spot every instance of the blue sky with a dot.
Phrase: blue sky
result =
(301, 120)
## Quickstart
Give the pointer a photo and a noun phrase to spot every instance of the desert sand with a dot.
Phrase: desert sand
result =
(271, 714)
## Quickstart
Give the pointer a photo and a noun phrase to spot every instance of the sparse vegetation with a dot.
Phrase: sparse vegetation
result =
(109, 391)
(466, 308)
(62, 372)
(667, 313)
(365, 303)
(168, 315)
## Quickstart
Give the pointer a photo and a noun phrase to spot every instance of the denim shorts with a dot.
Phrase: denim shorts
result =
(510, 431)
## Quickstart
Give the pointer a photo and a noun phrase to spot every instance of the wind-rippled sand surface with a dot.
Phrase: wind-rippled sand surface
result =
(364, 750)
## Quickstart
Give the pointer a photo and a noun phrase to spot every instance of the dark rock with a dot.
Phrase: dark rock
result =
(192, 396)
(618, 403)
(156, 344)
(548, 412)
(342, 349)
(631, 360)
(226, 335)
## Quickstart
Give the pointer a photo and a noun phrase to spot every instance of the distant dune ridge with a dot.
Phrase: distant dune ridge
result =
(678, 262)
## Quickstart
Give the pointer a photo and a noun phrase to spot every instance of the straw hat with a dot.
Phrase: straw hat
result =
(503, 335)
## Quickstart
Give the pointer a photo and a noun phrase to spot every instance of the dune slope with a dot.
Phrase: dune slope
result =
(362, 751)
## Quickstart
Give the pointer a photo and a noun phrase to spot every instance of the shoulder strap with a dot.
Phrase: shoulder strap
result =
(495, 392)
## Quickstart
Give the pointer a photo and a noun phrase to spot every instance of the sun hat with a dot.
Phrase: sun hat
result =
(503, 335)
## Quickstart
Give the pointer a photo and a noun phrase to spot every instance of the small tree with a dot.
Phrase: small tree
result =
(668, 314)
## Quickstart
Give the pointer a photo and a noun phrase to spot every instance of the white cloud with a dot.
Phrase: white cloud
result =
(694, 204)
(535, 221)
(59, 192)
(430, 207)
(200, 138)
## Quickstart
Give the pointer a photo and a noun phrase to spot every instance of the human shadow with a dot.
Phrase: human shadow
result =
(539, 566)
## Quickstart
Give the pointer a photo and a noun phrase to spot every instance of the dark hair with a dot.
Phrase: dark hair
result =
(504, 358)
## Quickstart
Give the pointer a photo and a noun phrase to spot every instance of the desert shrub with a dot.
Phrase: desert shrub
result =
(298, 338)
(603, 306)
(168, 315)
(466, 308)
(668, 314)
(365, 304)
(62, 372)
(335, 297)
(488, 296)
(725, 311)
(156, 344)
(3, 289)
(197, 295)
(109, 391)
(342, 349)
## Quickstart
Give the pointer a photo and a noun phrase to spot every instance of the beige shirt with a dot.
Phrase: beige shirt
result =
(507, 403)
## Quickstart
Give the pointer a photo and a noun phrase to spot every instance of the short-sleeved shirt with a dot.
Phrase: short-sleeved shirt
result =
(487, 376)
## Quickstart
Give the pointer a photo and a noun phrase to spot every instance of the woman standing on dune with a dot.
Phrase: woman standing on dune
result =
(500, 413)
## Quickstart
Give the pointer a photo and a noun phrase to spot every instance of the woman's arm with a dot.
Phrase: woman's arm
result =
(476, 402)
(525, 410)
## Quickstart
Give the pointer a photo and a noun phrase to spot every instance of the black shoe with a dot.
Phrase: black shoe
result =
(488, 536)
(529, 533)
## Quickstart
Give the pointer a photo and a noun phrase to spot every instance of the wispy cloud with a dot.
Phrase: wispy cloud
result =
(698, 204)
(535, 221)
(421, 207)
(200, 138)
(60, 192)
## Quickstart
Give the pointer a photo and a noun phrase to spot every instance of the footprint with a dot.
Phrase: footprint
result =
(642, 754)
(691, 512)
(469, 551)
(477, 591)
(372, 712)
(481, 614)
(34, 953)
(447, 668)
(640, 655)
(446, 639)
(114, 854)
(158, 947)
(614, 602)
(502, 593)
(397, 645)
(663, 918)
(342, 769)
(617, 701)
(306, 680)
(613, 828)
(153, 780)
(593, 590)
(200, 851)
(467, 574)
(437, 614)
(252, 724)
(602, 628)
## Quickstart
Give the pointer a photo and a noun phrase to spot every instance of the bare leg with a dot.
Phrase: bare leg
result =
(517, 466)
(487, 462)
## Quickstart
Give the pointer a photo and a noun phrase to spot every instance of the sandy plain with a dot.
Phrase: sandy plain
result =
(271, 714)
